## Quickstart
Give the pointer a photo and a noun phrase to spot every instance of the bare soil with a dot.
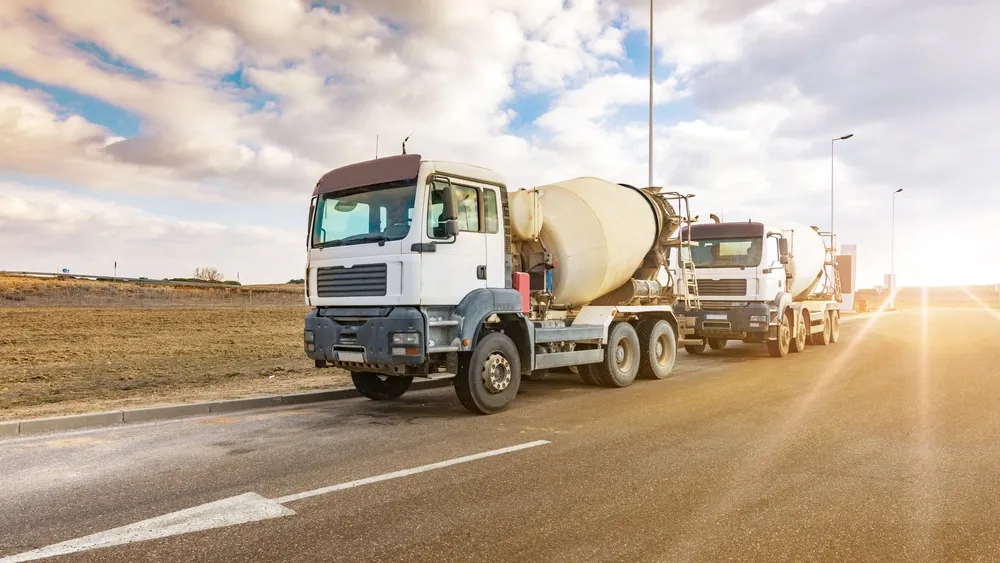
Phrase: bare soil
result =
(67, 360)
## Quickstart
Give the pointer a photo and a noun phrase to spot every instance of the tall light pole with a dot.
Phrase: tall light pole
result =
(650, 93)
(892, 254)
(844, 138)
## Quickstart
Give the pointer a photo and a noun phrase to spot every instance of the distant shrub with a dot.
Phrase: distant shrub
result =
(296, 282)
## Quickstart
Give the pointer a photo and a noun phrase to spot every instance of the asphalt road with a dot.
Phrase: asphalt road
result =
(883, 447)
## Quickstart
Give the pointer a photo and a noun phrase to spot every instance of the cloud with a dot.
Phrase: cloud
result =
(253, 101)
(88, 236)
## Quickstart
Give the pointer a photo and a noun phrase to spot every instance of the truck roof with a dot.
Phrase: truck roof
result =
(378, 171)
(394, 169)
(725, 230)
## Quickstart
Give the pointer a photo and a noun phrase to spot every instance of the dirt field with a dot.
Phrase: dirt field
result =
(130, 352)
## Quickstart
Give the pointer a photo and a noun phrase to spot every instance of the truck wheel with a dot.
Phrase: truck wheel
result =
(379, 387)
(657, 349)
(799, 342)
(834, 326)
(696, 349)
(717, 343)
(490, 376)
(621, 359)
(778, 348)
(822, 338)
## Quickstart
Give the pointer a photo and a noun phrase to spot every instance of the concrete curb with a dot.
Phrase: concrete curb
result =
(145, 414)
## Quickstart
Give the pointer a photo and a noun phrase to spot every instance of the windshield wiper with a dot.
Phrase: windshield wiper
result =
(355, 239)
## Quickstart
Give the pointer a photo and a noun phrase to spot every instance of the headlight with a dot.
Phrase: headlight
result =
(758, 319)
(310, 336)
(406, 338)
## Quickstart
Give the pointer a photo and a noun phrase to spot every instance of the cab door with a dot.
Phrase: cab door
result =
(455, 267)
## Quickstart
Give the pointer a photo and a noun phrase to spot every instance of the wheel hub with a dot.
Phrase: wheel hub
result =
(619, 354)
(496, 373)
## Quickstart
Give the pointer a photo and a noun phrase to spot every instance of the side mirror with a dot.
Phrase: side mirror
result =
(450, 211)
(783, 249)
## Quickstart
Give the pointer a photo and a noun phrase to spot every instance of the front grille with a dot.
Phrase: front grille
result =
(722, 287)
(362, 280)
(716, 305)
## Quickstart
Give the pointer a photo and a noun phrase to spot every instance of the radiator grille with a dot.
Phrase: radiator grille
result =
(722, 287)
(362, 280)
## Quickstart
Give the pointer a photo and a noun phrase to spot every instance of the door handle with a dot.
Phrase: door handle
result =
(481, 272)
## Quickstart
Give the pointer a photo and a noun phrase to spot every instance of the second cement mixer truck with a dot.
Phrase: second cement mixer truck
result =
(773, 284)
(432, 269)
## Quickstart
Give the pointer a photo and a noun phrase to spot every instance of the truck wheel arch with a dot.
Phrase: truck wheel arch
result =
(478, 306)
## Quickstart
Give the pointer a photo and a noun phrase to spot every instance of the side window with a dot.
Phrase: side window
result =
(492, 223)
(468, 209)
(771, 253)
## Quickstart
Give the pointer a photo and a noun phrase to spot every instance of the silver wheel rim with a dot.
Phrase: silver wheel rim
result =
(785, 335)
(624, 355)
(661, 350)
(496, 373)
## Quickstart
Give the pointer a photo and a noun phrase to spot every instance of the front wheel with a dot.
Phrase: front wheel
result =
(778, 348)
(379, 387)
(695, 349)
(489, 377)
(717, 343)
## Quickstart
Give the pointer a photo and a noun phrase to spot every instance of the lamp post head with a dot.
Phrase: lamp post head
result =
(897, 191)
(845, 137)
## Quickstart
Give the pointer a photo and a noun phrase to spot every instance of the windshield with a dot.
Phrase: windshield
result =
(372, 214)
(727, 252)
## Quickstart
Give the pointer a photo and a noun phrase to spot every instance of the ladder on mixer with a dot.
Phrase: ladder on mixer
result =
(689, 278)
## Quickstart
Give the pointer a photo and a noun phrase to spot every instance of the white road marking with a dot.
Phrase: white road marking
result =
(248, 507)
(240, 509)
(406, 472)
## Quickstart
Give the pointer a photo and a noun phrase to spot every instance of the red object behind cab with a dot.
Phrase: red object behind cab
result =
(521, 281)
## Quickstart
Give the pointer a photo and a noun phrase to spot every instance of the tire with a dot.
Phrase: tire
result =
(621, 358)
(778, 348)
(834, 326)
(657, 349)
(490, 375)
(319, 363)
(822, 338)
(380, 387)
(717, 343)
(798, 343)
(695, 349)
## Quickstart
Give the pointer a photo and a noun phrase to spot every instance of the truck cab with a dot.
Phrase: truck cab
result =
(414, 270)
(745, 273)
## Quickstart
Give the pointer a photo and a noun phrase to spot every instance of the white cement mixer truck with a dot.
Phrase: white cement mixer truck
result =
(771, 284)
(432, 269)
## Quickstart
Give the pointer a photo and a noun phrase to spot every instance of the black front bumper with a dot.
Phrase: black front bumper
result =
(736, 321)
(362, 337)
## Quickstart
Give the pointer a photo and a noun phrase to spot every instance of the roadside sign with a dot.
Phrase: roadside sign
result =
(878, 290)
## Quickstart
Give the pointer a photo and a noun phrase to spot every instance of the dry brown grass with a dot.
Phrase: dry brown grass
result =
(132, 350)
(24, 291)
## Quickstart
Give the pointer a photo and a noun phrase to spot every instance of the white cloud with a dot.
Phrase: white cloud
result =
(760, 87)
(46, 230)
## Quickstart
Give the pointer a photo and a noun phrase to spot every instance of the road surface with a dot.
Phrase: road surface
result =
(883, 447)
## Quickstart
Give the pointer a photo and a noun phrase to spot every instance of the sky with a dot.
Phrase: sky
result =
(167, 135)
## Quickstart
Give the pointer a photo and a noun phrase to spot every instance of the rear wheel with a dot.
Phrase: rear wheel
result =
(834, 326)
(802, 332)
(621, 358)
(778, 348)
(657, 349)
(379, 387)
(489, 377)
(717, 343)
(695, 349)
(822, 338)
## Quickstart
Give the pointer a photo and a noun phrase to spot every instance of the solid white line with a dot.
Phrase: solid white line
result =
(248, 507)
(407, 472)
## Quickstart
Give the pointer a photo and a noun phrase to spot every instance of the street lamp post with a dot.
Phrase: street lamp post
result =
(892, 254)
(844, 138)
(650, 93)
